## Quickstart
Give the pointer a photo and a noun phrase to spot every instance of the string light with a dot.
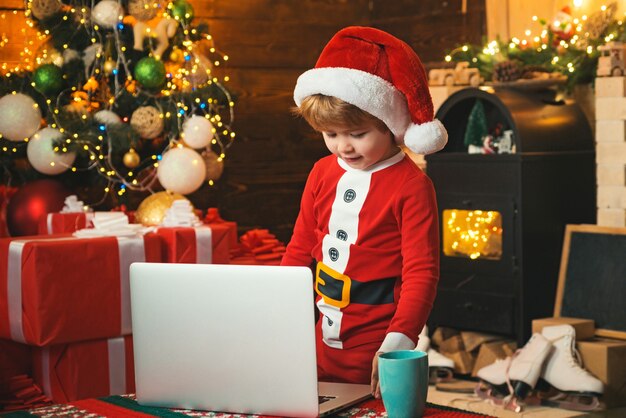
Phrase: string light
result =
(183, 78)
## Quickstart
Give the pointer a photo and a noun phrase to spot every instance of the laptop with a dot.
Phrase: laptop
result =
(230, 338)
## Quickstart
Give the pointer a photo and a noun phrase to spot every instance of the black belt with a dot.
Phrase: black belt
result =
(340, 290)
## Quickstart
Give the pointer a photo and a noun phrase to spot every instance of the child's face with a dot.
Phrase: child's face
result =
(360, 146)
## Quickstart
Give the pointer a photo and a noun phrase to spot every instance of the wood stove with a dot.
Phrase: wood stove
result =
(503, 216)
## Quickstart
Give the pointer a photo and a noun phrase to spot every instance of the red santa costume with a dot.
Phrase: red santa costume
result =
(373, 234)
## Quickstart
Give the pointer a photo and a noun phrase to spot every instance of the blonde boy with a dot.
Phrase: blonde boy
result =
(368, 216)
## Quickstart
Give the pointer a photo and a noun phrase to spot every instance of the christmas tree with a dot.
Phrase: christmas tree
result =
(476, 125)
(122, 96)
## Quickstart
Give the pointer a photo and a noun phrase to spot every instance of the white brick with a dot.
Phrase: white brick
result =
(611, 153)
(611, 174)
(611, 131)
(611, 197)
(612, 217)
(610, 86)
(611, 108)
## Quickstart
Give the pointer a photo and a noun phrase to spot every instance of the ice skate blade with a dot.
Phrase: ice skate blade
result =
(508, 402)
(573, 402)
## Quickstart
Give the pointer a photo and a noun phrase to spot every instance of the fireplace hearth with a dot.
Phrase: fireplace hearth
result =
(503, 216)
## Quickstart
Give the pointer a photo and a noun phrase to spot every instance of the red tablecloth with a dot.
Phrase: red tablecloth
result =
(126, 406)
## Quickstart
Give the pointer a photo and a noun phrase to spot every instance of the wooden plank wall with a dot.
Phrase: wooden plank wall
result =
(271, 42)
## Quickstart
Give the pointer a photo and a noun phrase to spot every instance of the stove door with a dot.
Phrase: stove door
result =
(478, 234)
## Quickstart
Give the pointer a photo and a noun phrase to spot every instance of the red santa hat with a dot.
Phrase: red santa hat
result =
(383, 76)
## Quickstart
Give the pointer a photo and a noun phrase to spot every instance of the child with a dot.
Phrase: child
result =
(368, 216)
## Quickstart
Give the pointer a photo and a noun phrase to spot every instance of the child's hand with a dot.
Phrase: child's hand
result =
(375, 384)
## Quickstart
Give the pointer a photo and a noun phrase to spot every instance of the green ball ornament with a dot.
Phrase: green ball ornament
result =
(181, 10)
(48, 79)
(150, 73)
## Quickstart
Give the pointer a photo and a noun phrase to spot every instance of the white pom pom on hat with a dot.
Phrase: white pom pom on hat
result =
(383, 76)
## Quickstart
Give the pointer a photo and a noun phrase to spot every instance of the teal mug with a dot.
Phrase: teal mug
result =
(403, 377)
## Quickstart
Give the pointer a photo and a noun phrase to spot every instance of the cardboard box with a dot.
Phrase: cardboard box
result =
(606, 359)
(585, 328)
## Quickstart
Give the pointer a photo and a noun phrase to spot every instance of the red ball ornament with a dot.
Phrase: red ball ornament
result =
(33, 201)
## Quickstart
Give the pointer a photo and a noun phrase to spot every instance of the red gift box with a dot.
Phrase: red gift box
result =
(213, 218)
(15, 360)
(60, 289)
(203, 245)
(90, 369)
(63, 223)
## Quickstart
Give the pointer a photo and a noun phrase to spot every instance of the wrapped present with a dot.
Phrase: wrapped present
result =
(69, 372)
(58, 289)
(15, 360)
(72, 217)
(213, 217)
(258, 246)
(63, 223)
(22, 393)
(202, 245)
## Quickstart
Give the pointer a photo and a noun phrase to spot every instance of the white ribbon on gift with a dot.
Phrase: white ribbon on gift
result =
(116, 349)
(180, 214)
(113, 224)
(73, 205)
(204, 245)
(130, 250)
(117, 366)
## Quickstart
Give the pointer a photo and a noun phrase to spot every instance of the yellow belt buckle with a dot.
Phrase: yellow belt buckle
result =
(345, 291)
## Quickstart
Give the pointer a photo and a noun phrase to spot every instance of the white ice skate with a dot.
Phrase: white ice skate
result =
(575, 387)
(440, 367)
(508, 382)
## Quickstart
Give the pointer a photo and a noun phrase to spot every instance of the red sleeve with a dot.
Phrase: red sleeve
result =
(303, 240)
(419, 225)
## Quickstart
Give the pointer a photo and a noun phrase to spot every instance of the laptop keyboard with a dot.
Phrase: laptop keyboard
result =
(322, 399)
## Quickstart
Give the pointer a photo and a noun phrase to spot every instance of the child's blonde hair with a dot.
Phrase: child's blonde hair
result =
(323, 112)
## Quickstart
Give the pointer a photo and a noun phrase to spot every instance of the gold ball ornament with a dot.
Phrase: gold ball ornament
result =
(131, 159)
(147, 121)
(214, 165)
(142, 10)
(152, 209)
(43, 9)
(109, 66)
(176, 55)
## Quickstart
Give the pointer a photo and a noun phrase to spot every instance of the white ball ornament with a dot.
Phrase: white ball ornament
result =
(107, 13)
(197, 131)
(41, 155)
(20, 117)
(107, 117)
(181, 170)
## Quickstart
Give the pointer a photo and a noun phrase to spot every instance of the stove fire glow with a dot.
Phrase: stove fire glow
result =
(472, 234)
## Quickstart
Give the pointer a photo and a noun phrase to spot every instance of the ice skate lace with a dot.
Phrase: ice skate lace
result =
(575, 360)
